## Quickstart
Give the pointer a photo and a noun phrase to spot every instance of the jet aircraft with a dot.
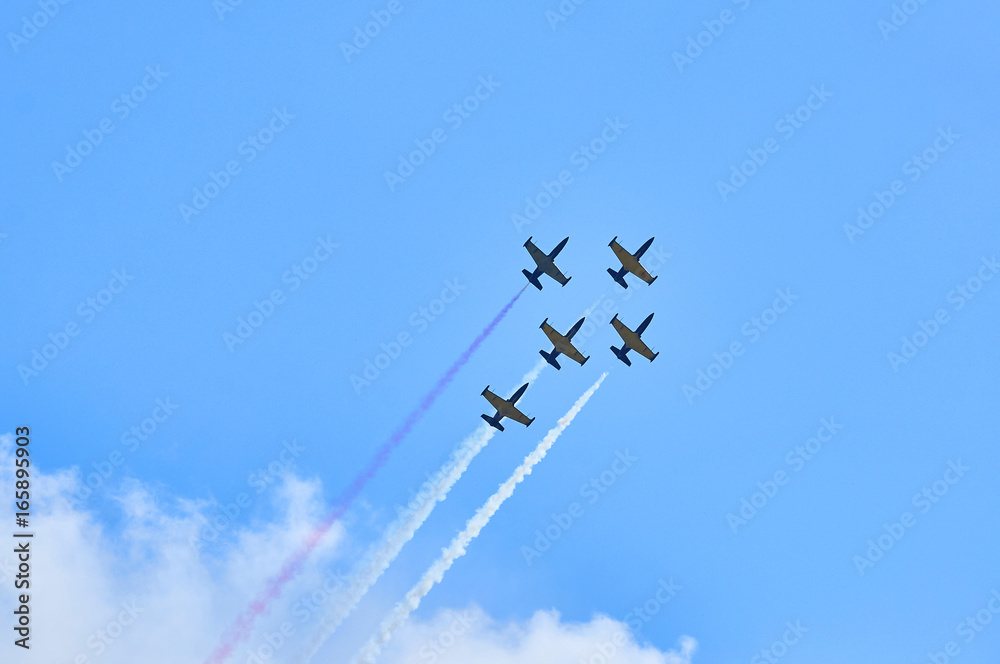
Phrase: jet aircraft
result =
(505, 408)
(630, 263)
(562, 344)
(544, 264)
(631, 340)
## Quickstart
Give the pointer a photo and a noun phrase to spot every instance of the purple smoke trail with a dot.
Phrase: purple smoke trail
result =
(241, 628)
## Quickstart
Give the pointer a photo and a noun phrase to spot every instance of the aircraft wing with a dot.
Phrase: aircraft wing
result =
(620, 326)
(643, 248)
(516, 415)
(559, 247)
(620, 251)
(639, 346)
(640, 272)
(551, 333)
(554, 272)
(574, 354)
(643, 325)
(495, 401)
(537, 254)
(576, 328)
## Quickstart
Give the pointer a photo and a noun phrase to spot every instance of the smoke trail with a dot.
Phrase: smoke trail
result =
(381, 554)
(241, 628)
(457, 548)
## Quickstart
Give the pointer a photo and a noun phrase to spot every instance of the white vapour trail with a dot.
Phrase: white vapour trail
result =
(458, 546)
(379, 556)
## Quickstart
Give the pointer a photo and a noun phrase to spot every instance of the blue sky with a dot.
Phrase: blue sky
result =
(335, 127)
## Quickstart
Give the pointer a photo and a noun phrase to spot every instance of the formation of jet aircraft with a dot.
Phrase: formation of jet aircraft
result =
(562, 344)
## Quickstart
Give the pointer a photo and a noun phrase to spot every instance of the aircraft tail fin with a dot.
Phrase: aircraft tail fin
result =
(618, 276)
(622, 354)
(550, 358)
(532, 278)
(493, 422)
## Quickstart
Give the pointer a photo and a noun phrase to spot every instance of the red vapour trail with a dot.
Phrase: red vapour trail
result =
(241, 628)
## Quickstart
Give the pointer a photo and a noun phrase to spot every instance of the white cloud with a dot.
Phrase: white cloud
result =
(143, 592)
(139, 591)
(460, 637)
